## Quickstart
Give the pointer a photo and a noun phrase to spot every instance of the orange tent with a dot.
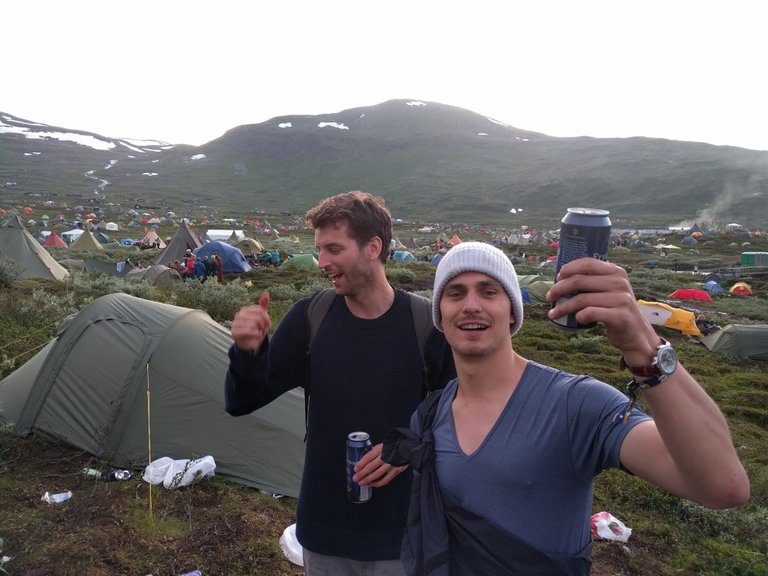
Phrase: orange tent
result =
(455, 240)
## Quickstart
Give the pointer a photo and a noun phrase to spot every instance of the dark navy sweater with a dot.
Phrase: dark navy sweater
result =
(365, 375)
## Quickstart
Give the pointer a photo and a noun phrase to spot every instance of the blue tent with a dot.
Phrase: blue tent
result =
(713, 287)
(232, 258)
(402, 256)
(436, 259)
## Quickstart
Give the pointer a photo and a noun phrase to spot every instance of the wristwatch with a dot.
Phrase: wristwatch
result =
(663, 364)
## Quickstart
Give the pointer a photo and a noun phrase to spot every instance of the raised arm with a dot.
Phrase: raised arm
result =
(687, 449)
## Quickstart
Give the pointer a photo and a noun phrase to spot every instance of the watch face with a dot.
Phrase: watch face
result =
(667, 361)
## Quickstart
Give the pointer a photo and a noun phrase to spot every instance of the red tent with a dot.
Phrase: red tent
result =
(691, 294)
(54, 241)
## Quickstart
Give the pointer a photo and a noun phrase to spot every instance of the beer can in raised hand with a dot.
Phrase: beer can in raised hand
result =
(584, 233)
(358, 444)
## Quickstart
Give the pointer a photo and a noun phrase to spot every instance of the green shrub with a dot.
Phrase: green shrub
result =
(9, 271)
(221, 301)
(400, 275)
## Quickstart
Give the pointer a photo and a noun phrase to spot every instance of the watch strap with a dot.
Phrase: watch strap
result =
(653, 371)
(651, 382)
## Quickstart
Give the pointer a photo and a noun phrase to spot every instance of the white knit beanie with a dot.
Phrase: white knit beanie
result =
(478, 257)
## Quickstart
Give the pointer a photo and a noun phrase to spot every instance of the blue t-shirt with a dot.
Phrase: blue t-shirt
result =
(533, 474)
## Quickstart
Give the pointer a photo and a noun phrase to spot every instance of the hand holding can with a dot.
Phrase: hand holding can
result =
(584, 233)
(358, 444)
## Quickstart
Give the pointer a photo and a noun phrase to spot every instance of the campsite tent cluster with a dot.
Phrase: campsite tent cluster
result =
(32, 259)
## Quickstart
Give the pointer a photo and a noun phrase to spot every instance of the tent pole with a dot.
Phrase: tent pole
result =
(149, 448)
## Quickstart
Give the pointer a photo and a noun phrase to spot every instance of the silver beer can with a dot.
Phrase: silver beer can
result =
(358, 444)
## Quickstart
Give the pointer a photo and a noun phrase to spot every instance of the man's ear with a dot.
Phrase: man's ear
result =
(374, 246)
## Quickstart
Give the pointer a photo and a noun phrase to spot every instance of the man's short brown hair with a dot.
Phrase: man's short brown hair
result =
(366, 217)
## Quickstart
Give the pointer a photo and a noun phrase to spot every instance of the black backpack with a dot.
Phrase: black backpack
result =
(421, 309)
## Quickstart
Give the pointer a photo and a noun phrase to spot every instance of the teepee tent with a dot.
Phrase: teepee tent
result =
(86, 242)
(54, 241)
(152, 238)
(90, 387)
(20, 247)
(184, 239)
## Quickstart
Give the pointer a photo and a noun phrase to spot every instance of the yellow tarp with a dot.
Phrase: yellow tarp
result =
(668, 316)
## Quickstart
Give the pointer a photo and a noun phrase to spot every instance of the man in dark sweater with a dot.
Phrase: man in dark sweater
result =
(366, 373)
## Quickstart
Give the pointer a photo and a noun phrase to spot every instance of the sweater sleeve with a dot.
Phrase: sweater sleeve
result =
(254, 380)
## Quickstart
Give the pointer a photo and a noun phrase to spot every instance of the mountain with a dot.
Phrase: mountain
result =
(430, 161)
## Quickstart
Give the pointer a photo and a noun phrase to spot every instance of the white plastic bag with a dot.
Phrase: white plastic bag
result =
(291, 547)
(56, 498)
(186, 472)
(179, 473)
(607, 527)
(156, 470)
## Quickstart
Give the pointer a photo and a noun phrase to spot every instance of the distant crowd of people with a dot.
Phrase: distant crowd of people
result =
(267, 258)
(194, 268)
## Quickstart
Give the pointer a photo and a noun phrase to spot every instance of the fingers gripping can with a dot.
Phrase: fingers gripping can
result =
(584, 233)
(358, 444)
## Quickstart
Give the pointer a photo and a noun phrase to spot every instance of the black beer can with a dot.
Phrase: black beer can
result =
(358, 444)
(584, 232)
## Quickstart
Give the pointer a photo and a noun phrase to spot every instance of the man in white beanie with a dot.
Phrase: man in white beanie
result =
(505, 457)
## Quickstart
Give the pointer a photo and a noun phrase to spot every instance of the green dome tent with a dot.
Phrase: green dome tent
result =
(741, 340)
(403, 256)
(300, 262)
(88, 388)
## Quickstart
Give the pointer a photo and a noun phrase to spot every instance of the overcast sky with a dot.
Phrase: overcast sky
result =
(186, 71)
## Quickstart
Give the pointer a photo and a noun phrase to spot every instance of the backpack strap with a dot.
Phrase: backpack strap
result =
(316, 310)
(421, 309)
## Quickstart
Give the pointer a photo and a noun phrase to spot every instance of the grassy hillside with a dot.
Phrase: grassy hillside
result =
(433, 162)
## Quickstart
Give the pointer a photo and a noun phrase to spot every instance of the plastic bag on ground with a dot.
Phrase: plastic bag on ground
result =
(156, 470)
(291, 547)
(606, 526)
(187, 472)
(56, 498)
(179, 473)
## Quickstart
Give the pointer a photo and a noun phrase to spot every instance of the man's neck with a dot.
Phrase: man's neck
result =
(490, 378)
(372, 302)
